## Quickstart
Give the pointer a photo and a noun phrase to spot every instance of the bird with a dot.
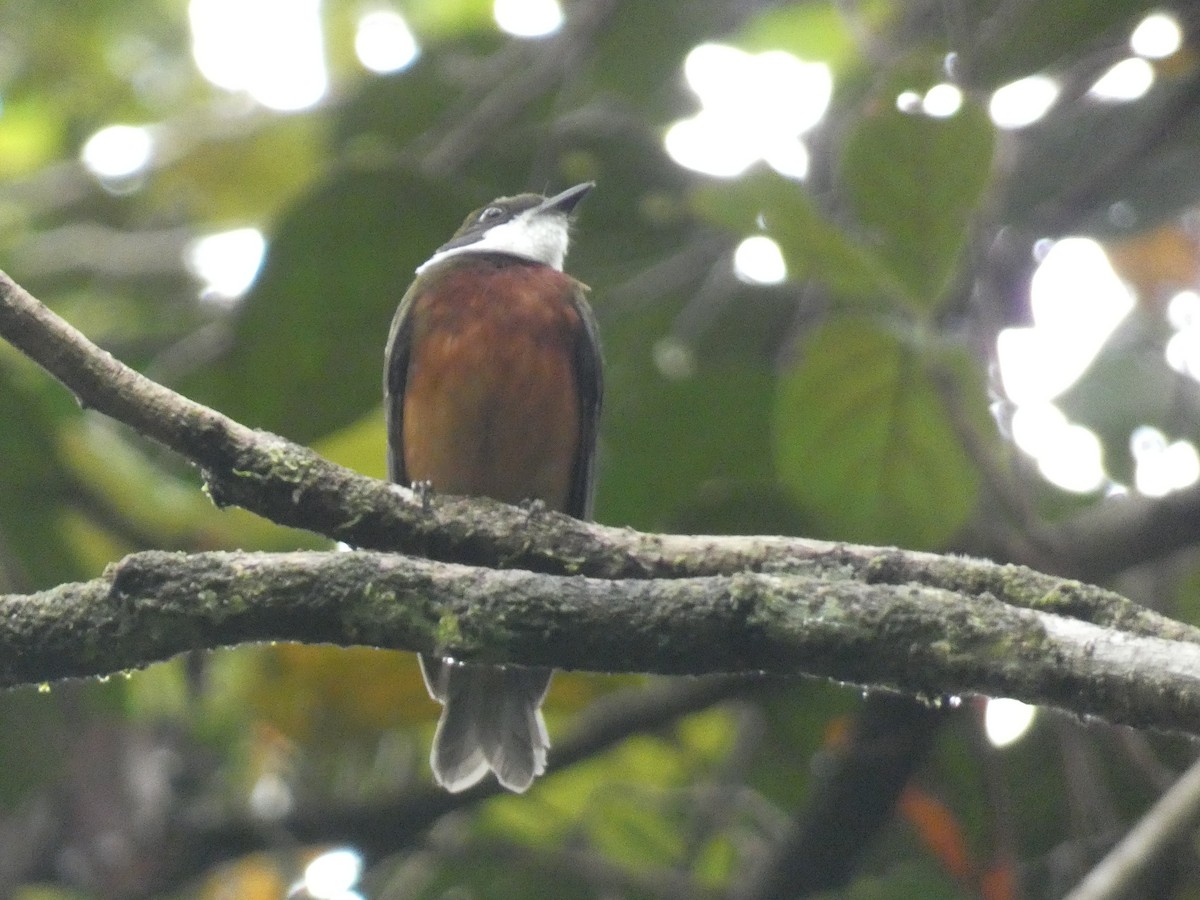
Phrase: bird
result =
(493, 385)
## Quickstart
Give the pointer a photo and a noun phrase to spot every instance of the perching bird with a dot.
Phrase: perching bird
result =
(492, 387)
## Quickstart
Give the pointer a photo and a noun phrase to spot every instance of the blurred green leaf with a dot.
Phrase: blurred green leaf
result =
(37, 484)
(1129, 384)
(241, 180)
(385, 113)
(914, 182)
(630, 829)
(28, 138)
(1108, 168)
(359, 446)
(639, 54)
(815, 32)
(440, 18)
(656, 448)
(717, 862)
(913, 879)
(735, 506)
(864, 442)
(812, 246)
(1023, 38)
(307, 351)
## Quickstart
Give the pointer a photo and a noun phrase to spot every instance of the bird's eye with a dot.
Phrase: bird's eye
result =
(490, 213)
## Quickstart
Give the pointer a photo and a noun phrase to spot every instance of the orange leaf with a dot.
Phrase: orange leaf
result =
(939, 832)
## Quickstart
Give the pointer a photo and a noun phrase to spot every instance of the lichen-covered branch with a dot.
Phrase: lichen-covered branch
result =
(677, 604)
(291, 485)
(922, 640)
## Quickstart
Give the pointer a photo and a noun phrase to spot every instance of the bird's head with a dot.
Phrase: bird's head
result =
(528, 226)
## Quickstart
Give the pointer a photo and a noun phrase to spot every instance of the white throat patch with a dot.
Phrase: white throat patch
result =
(539, 238)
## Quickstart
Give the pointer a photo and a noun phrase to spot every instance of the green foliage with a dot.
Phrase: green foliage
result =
(35, 500)
(863, 439)
(846, 403)
(914, 183)
(812, 246)
(645, 479)
(812, 31)
(1036, 36)
(1132, 173)
(307, 340)
(913, 880)
(1128, 385)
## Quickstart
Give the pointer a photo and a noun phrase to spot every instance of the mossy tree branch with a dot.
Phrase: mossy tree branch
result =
(922, 640)
(556, 591)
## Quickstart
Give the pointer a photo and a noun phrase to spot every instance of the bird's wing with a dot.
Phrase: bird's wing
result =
(589, 381)
(395, 373)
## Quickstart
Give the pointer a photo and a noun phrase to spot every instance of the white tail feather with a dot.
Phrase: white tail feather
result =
(491, 720)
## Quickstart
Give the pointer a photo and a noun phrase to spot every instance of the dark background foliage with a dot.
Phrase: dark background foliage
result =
(849, 402)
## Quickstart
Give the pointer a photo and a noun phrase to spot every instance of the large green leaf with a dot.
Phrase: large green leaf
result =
(638, 55)
(865, 443)
(664, 441)
(914, 182)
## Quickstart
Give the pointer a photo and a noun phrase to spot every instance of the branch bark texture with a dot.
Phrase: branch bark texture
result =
(565, 593)
(923, 640)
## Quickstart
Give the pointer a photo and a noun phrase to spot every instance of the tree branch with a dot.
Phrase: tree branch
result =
(922, 640)
(656, 603)
(293, 486)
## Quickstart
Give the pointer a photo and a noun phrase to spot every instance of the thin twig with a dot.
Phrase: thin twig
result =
(1171, 819)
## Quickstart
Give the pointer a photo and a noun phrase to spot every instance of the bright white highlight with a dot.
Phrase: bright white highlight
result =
(1183, 348)
(1077, 301)
(1067, 455)
(226, 263)
(758, 260)
(1006, 721)
(1162, 467)
(753, 106)
(1156, 36)
(270, 798)
(788, 157)
(942, 101)
(908, 102)
(1075, 462)
(118, 151)
(271, 49)
(383, 42)
(1128, 80)
(939, 102)
(1183, 311)
(528, 18)
(1023, 102)
(1075, 291)
(332, 875)
(674, 359)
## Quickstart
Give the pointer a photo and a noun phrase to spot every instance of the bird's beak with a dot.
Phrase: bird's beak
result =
(564, 203)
